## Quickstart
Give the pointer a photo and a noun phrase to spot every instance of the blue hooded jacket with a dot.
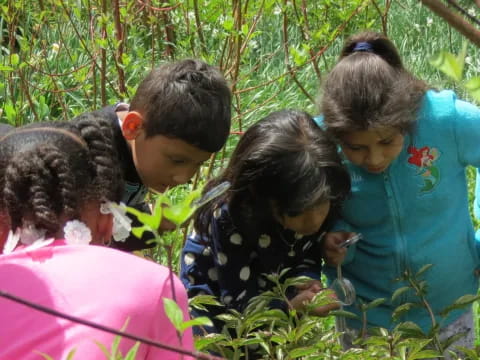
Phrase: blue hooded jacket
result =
(416, 213)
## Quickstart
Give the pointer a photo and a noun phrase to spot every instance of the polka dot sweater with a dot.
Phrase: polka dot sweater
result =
(231, 267)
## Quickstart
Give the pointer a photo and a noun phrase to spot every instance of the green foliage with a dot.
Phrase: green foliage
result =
(453, 67)
(59, 58)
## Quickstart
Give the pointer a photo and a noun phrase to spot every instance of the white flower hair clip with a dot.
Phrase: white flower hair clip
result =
(27, 235)
(122, 224)
(76, 232)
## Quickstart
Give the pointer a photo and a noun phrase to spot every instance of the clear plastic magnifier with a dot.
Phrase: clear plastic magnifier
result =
(211, 194)
(352, 240)
(343, 288)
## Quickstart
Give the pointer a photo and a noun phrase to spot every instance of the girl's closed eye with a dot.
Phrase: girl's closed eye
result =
(386, 141)
(176, 161)
(352, 147)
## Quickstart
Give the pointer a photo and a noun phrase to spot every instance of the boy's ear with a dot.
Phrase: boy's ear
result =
(132, 124)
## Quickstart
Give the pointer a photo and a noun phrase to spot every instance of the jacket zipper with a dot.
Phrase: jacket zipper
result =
(400, 251)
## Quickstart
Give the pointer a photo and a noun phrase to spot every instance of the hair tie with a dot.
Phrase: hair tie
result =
(363, 46)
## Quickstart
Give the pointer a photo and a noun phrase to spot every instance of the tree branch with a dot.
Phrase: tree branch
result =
(455, 20)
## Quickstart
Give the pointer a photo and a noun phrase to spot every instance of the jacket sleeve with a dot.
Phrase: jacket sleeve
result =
(466, 120)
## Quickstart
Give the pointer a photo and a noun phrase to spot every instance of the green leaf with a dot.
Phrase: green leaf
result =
(132, 353)
(181, 212)
(374, 303)
(71, 354)
(138, 231)
(425, 354)
(399, 292)
(174, 313)
(228, 24)
(45, 356)
(303, 351)
(473, 87)
(460, 303)
(400, 310)
(146, 219)
(198, 321)
(199, 301)
(410, 329)
(423, 269)
(448, 64)
(6, 68)
(14, 59)
(346, 314)
(450, 340)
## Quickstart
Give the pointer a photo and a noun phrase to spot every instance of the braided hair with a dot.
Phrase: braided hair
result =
(48, 171)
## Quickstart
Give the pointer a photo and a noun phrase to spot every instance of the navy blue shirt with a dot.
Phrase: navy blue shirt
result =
(231, 267)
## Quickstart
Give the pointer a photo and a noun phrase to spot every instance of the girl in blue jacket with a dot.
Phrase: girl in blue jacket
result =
(406, 148)
(287, 182)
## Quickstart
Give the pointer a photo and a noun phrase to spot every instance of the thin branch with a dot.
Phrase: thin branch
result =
(463, 11)
(119, 52)
(455, 20)
(287, 55)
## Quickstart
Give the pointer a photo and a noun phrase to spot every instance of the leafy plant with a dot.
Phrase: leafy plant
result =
(453, 66)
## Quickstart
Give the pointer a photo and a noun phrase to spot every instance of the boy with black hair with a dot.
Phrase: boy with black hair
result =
(178, 117)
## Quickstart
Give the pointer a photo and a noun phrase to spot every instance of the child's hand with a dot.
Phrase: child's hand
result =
(332, 252)
(306, 293)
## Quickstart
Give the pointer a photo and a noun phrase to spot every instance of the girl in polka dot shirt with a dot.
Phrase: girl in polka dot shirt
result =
(287, 183)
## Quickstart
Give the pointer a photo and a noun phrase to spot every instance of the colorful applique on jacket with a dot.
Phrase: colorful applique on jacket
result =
(424, 158)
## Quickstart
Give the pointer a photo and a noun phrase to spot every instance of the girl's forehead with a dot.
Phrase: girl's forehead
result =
(372, 134)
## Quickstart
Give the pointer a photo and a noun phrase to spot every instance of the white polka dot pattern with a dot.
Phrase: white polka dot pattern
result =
(189, 258)
(236, 239)
(264, 241)
(245, 273)
(213, 274)
(222, 258)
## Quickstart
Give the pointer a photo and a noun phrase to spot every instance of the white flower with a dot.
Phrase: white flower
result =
(429, 21)
(77, 233)
(468, 60)
(12, 241)
(29, 234)
(121, 222)
(40, 243)
(471, 11)
(55, 48)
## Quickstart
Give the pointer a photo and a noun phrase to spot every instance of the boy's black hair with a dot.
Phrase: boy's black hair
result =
(48, 172)
(189, 100)
(283, 162)
(370, 88)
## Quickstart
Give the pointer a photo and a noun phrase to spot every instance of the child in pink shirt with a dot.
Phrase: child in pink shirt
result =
(56, 193)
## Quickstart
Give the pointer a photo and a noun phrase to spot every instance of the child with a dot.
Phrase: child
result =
(406, 148)
(287, 182)
(178, 117)
(56, 189)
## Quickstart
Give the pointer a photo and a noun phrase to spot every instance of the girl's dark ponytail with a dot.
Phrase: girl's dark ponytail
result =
(375, 43)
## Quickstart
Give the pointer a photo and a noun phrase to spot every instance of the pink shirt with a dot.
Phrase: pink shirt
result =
(99, 284)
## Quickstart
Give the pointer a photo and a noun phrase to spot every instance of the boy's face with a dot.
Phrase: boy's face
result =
(163, 162)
